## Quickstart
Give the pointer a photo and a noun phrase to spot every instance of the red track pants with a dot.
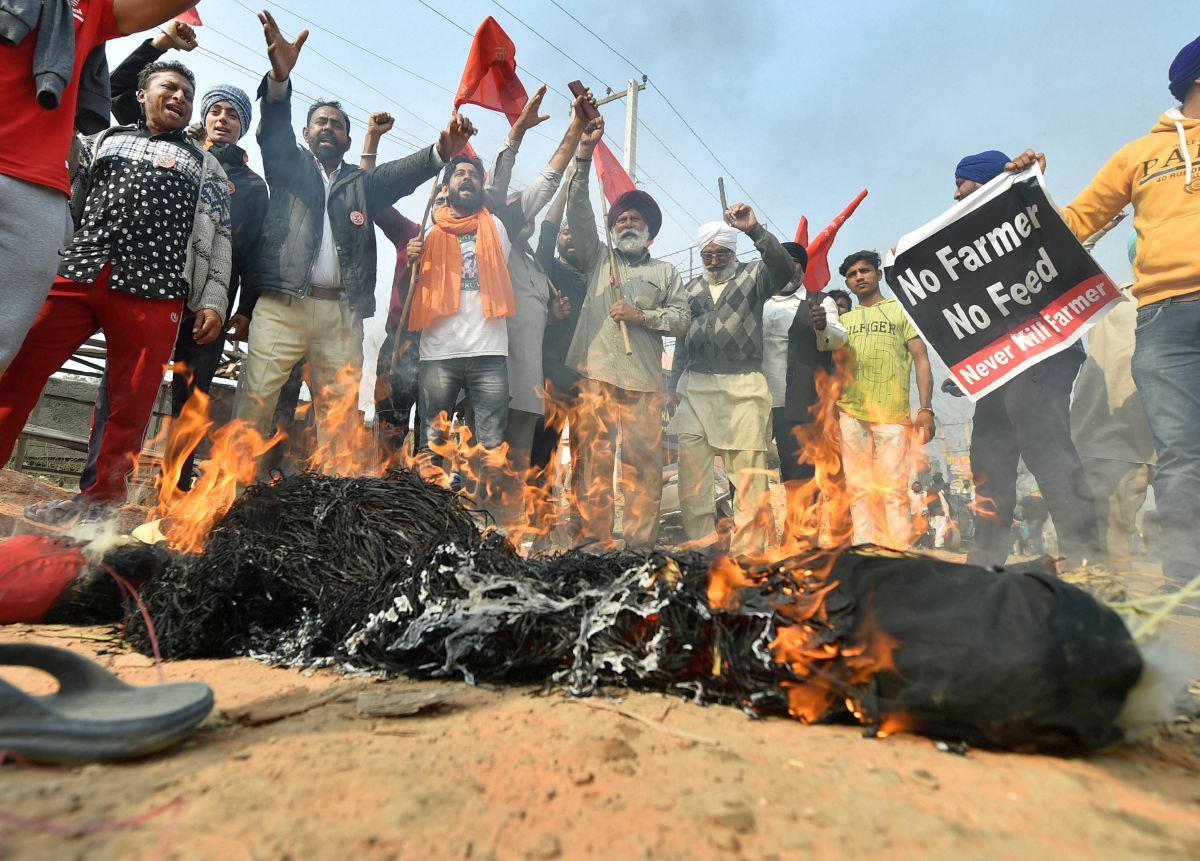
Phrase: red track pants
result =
(140, 335)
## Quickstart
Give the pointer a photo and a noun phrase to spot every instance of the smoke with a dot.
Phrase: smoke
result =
(1161, 690)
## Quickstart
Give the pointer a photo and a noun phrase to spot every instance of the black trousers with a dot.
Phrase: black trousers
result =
(792, 464)
(396, 392)
(1030, 418)
(202, 361)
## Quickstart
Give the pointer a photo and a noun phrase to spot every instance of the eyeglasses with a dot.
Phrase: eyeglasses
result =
(714, 256)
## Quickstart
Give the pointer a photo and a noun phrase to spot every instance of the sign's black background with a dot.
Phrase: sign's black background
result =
(1073, 263)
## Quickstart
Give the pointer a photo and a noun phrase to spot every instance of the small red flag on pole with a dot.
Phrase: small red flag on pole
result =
(613, 178)
(490, 77)
(817, 274)
(802, 232)
(191, 16)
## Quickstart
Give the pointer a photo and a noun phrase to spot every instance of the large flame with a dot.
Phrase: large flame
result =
(826, 671)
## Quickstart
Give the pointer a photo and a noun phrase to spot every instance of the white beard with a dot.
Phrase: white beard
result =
(631, 242)
(721, 275)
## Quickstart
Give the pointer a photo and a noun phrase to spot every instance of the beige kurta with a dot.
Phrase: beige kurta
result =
(731, 411)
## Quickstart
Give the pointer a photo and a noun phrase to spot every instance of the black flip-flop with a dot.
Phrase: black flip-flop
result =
(94, 715)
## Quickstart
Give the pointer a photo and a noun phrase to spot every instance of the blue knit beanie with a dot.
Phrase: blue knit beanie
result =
(236, 97)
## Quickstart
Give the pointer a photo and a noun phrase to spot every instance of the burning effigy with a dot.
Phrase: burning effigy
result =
(395, 574)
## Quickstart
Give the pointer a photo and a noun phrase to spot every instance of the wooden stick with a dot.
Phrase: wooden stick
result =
(653, 724)
(721, 188)
(413, 267)
(614, 277)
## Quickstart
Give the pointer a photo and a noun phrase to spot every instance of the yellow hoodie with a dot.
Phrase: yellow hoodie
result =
(1160, 175)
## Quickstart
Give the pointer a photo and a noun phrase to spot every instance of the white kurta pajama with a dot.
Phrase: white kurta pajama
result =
(727, 415)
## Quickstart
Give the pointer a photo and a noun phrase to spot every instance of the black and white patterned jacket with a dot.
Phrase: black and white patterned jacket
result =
(210, 249)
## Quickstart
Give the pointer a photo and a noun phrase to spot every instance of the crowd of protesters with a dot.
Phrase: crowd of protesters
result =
(518, 324)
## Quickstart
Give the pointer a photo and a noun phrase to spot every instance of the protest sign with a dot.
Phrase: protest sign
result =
(998, 283)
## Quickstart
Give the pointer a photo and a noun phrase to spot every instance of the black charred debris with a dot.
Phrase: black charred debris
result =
(395, 575)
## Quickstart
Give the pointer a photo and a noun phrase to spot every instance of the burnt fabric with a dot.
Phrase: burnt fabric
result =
(394, 575)
(47, 579)
(34, 572)
(1012, 659)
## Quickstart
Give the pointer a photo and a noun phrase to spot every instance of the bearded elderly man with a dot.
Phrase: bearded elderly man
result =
(724, 400)
(621, 394)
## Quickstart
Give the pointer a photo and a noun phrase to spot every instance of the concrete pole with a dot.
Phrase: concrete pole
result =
(631, 109)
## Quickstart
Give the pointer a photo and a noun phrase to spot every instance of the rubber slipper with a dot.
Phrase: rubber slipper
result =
(59, 512)
(94, 715)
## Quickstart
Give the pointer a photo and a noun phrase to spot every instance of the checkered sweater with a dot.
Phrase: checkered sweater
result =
(726, 336)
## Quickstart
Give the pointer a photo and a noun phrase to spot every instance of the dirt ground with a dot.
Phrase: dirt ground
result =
(515, 774)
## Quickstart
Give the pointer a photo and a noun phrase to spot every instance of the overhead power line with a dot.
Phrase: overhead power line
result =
(669, 104)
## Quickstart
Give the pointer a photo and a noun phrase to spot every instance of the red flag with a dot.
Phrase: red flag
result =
(816, 276)
(191, 16)
(613, 178)
(802, 232)
(490, 77)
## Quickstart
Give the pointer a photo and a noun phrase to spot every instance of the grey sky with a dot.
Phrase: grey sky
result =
(806, 103)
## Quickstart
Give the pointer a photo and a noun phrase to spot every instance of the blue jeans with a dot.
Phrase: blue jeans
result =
(1166, 368)
(484, 379)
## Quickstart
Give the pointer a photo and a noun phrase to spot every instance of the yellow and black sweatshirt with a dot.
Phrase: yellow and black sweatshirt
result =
(1160, 175)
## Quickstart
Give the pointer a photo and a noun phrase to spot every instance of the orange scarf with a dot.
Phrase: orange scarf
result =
(441, 269)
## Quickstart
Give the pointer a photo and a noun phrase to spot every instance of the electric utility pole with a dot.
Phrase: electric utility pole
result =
(631, 108)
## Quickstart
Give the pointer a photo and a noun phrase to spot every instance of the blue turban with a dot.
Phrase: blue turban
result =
(1185, 70)
(236, 97)
(982, 167)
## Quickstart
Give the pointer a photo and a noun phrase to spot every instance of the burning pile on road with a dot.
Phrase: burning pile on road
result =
(395, 574)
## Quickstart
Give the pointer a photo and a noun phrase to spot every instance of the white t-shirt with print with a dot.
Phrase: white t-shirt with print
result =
(468, 332)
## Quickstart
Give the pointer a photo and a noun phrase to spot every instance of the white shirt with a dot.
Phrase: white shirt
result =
(779, 312)
(327, 270)
(468, 332)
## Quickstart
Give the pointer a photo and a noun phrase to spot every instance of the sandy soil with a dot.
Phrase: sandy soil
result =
(502, 774)
(513, 774)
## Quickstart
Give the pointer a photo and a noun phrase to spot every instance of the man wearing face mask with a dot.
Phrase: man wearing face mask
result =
(621, 396)
(315, 272)
(724, 400)
(152, 211)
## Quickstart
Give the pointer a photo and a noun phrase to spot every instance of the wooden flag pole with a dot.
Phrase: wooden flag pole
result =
(413, 267)
(721, 189)
(614, 277)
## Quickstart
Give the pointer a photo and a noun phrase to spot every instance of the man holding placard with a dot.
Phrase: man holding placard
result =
(1028, 417)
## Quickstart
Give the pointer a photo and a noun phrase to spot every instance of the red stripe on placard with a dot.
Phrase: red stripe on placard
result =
(1059, 324)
